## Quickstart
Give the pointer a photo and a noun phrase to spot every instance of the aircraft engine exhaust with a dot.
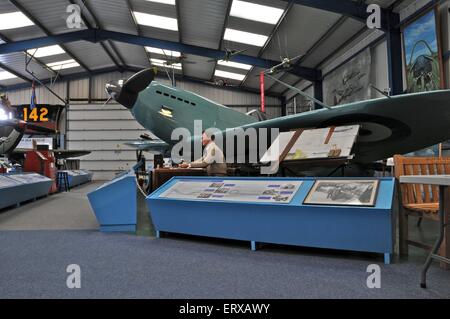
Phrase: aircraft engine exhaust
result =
(126, 92)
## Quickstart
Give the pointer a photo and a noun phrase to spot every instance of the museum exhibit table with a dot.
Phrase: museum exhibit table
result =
(78, 177)
(443, 181)
(18, 188)
(273, 210)
(115, 204)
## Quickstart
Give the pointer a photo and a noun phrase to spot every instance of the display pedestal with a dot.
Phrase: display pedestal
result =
(115, 204)
(18, 188)
(355, 228)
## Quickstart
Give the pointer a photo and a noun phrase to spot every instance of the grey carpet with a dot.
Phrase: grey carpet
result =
(63, 211)
(33, 265)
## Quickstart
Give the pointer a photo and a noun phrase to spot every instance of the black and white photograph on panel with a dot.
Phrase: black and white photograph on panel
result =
(343, 192)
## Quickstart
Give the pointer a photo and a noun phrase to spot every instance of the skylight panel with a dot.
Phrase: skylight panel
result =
(237, 65)
(229, 75)
(171, 2)
(156, 21)
(169, 53)
(256, 12)
(46, 51)
(13, 20)
(245, 37)
(5, 75)
(162, 63)
(61, 65)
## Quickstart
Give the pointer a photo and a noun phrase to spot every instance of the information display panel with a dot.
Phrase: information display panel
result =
(234, 191)
(7, 182)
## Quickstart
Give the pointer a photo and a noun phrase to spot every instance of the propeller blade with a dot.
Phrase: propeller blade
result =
(127, 93)
(139, 81)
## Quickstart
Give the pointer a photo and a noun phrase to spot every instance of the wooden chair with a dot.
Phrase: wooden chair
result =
(418, 200)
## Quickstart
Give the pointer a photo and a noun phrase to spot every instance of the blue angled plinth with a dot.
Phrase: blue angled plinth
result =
(18, 188)
(365, 229)
(115, 204)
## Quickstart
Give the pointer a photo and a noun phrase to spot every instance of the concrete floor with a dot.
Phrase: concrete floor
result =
(64, 211)
(39, 239)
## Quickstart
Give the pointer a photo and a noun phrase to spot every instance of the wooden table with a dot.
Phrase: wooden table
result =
(162, 175)
(443, 181)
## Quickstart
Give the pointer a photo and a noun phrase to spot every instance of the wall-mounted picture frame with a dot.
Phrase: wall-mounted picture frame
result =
(343, 193)
(423, 53)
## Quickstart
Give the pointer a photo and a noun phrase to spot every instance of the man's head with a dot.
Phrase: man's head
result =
(207, 138)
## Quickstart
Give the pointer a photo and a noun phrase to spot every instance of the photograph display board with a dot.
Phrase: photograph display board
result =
(234, 191)
(343, 192)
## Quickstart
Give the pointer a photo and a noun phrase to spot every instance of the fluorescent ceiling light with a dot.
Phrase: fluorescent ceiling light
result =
(14, 20)
(156, 21)
(161, 51)
(61, 65)
(245, 37)
(229, 75)
(162, 63)
(171, 2)
(46, 51)
(237, 65)
(255, 12)
(4, 75)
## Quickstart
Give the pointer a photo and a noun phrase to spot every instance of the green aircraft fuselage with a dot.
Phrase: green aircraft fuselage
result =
(162, 109)
(397, 125)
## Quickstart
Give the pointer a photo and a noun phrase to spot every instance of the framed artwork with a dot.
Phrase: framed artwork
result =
(423, 55)
(343, 192)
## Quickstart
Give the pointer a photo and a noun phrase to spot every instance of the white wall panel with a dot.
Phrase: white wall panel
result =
(98, 114)
(105, 125)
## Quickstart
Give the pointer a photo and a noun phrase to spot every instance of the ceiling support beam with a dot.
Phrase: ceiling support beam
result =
(46, 31)
(395, 61)
(318, 93)
(84, 75)
(94, 35)
(352, 9)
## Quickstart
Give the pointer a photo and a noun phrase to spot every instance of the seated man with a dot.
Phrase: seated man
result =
(213, 159)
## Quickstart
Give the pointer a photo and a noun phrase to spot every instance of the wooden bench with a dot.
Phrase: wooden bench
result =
(418, 200)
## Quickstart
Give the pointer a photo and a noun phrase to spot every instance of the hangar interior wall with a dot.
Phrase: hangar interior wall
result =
(378, 51)
(104, 129)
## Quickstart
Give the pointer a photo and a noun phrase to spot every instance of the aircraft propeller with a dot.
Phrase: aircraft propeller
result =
(126, 92)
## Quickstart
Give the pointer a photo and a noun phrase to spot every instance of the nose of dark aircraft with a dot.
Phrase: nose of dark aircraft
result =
(126, 92)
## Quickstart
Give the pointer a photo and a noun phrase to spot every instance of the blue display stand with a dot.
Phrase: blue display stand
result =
(364, 229)
(18, 188)
(115, 204)
(78, 177)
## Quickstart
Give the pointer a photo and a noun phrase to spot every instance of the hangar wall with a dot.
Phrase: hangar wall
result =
(378, 48)
(104, 129)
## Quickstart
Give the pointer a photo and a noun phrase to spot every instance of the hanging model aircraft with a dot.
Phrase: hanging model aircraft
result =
(389, 125)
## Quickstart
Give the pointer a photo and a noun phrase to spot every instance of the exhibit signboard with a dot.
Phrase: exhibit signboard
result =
(234, 191)
(343, 192)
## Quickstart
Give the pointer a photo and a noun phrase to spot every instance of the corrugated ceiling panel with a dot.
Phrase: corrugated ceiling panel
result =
(16, 61)
(50, 13)
(202, 22)
(91, 54)
(300, 29)
(202, 69)
(345, 31)
(113, 15)
(132, 54)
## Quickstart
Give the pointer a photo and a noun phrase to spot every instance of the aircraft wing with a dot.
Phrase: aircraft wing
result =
(152, 146)
(389, 126)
